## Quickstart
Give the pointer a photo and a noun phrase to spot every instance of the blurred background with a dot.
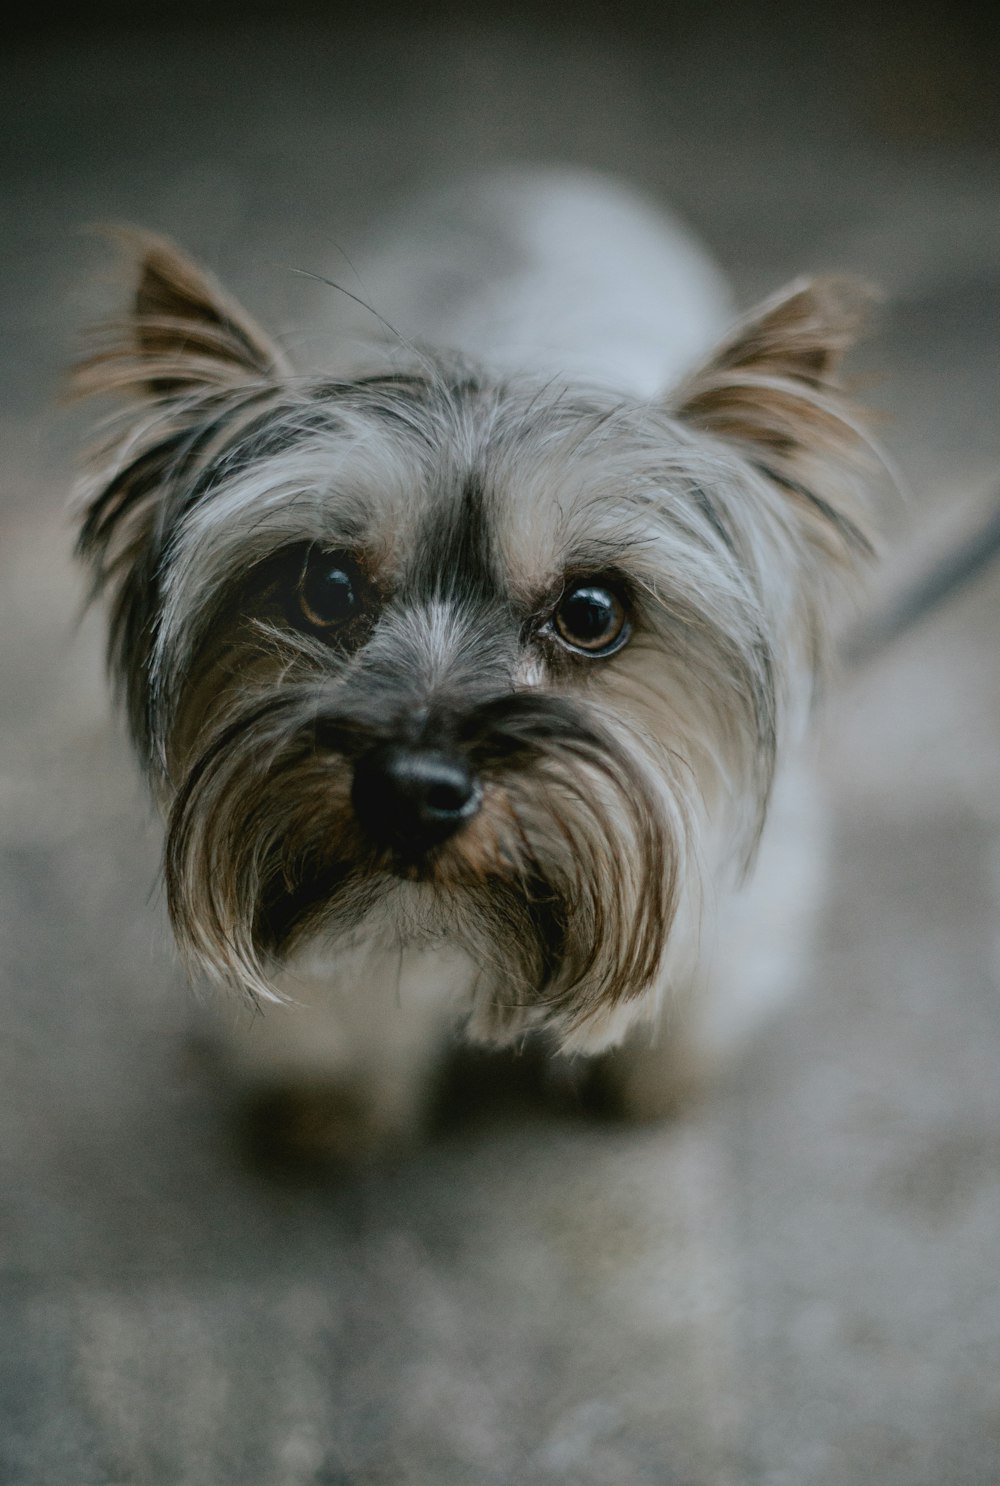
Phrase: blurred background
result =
(794, 1283)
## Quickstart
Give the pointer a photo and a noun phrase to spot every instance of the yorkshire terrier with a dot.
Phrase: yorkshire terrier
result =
(471, 679)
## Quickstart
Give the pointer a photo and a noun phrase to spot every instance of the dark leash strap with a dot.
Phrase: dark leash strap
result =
(945, 578)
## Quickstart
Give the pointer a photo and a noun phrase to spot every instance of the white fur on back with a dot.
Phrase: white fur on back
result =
(560, 272)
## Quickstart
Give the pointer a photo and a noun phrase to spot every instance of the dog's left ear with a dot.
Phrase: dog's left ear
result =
(772, 389)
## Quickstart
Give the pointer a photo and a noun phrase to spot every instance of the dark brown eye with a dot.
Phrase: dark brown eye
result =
(329, 591)
(591, 618)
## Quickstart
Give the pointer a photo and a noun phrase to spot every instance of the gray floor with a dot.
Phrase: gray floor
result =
(797, 1284)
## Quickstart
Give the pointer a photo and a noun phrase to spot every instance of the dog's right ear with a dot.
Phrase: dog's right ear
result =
(184, 333)
(194, 372)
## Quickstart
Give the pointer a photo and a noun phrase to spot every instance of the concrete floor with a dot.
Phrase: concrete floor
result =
(796, 1284)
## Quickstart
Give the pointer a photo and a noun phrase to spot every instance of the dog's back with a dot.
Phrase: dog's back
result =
(558, 271)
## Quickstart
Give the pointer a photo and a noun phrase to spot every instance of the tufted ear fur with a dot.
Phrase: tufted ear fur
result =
(772, 388)
(194, 371)
(184, 332)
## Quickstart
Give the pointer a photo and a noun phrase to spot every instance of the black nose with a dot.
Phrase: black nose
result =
(413, 798)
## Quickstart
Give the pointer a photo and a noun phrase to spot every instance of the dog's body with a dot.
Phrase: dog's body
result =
(473, 684)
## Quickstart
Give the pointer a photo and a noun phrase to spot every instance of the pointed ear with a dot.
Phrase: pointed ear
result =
(772, 389)
(194, 370)
(765, 375)
(184, 333)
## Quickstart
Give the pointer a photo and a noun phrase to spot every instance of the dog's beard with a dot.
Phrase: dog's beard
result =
(561, 891)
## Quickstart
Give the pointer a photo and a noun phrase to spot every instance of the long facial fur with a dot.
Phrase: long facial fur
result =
(727, 514)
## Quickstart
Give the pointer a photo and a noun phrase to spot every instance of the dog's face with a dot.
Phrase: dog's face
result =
(428, 656)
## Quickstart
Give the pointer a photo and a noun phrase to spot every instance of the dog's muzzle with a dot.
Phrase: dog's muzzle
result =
(411, 798)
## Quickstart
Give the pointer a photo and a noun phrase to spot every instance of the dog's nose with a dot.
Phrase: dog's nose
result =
(413, 798)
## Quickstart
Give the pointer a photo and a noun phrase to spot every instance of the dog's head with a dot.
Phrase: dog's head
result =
(430, 655)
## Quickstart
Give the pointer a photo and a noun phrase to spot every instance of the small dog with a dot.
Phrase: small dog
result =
(471, 680)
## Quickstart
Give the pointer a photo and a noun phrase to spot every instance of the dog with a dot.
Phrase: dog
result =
(471, 676)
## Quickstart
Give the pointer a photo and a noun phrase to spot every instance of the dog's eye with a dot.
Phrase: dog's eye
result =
(329, 591)
(592, 619)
